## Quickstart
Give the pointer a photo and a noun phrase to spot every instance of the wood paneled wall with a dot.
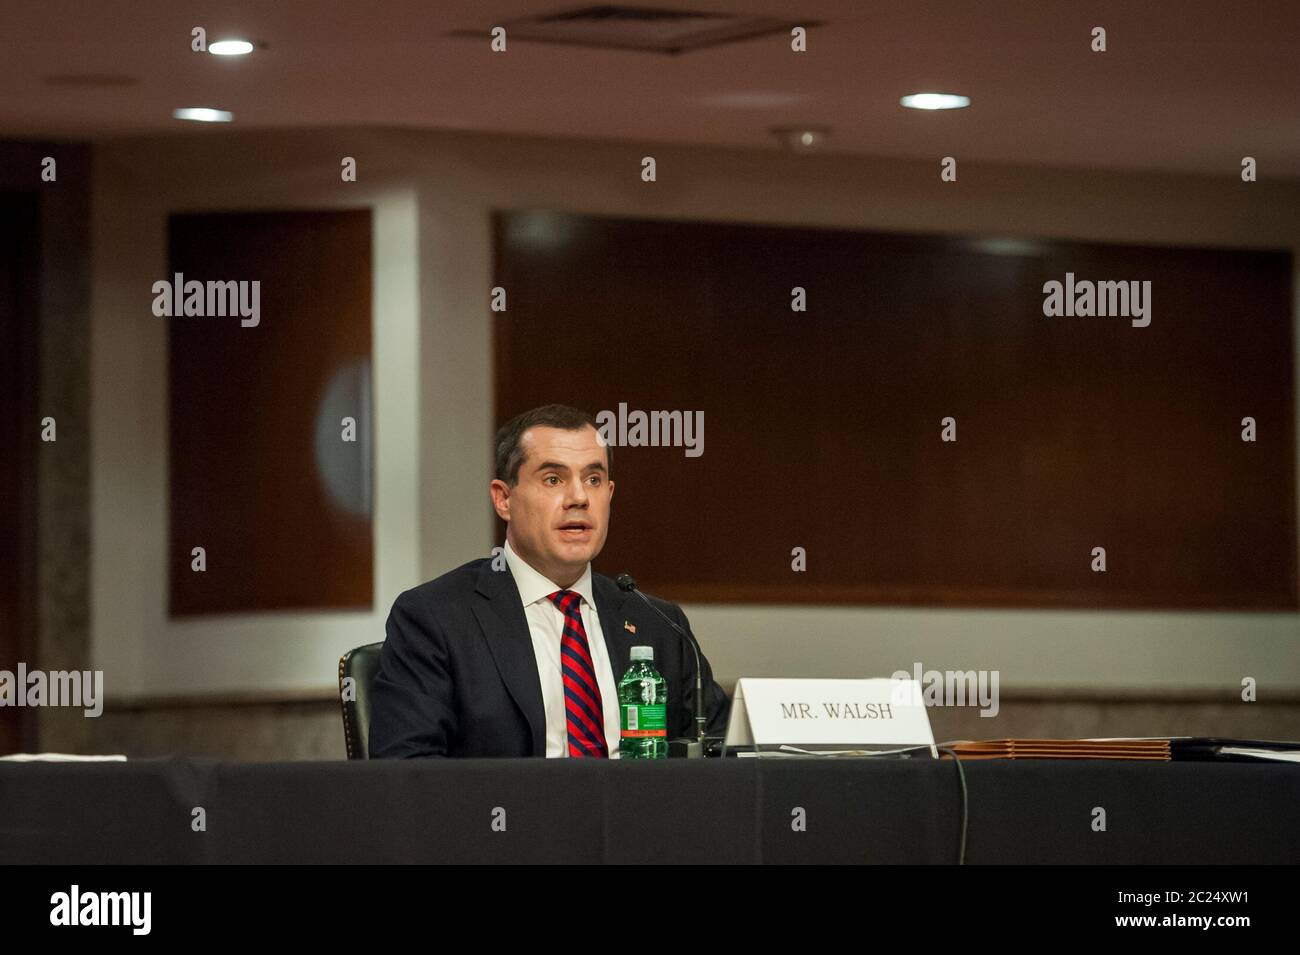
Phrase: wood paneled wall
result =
(823, 428)
(251, 421)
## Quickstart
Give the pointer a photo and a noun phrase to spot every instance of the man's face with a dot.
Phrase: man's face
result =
(558, 512)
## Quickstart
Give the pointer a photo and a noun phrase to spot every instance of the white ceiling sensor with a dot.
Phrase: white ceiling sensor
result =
(801, 138)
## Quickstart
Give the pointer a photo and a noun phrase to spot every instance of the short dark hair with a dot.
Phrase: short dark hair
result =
(509, 455)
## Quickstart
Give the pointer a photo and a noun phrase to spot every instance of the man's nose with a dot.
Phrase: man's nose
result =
(577, 493)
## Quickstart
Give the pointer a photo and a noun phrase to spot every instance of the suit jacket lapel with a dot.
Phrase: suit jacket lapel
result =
(501, 615)
(609, 605)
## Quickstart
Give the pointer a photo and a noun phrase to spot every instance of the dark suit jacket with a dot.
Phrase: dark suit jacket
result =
(458, 677)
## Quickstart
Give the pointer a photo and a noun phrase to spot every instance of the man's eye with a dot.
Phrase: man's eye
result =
(595, 478)
(551, 477)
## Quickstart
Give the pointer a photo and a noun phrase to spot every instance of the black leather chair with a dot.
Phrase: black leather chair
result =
(359, 665)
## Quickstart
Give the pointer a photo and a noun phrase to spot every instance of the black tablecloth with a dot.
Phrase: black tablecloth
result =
(734, 810)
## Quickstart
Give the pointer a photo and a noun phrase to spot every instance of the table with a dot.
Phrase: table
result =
(671, 811)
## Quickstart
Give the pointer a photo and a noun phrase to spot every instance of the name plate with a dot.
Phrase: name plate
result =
(876, 714)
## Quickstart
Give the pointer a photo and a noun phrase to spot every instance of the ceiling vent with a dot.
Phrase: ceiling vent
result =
(91, 81)
(646, 29)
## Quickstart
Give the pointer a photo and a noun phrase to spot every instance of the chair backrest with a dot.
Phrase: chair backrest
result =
(359, 666)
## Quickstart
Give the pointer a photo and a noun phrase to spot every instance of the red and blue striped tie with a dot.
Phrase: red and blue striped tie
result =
(586, 716)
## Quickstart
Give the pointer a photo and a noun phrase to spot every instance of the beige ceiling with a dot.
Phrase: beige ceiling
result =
(1191, 86)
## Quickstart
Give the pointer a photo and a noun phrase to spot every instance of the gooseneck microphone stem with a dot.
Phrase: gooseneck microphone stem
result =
(626, 583)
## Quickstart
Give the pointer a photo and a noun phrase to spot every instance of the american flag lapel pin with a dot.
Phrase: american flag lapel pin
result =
(628, 627)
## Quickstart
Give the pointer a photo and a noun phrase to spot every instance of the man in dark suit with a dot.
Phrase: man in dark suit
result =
(520, 654)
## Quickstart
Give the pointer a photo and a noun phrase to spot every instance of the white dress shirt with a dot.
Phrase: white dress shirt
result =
(546, 626)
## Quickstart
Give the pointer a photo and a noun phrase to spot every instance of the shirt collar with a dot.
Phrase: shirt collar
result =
(533, 586)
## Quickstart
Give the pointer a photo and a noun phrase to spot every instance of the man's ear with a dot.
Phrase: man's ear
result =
(500, 499)
(611, 491)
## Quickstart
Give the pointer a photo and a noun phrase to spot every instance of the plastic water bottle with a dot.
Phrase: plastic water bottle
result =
(643, 709)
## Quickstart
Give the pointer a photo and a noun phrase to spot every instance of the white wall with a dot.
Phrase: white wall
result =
(141, 651)
(433, 193)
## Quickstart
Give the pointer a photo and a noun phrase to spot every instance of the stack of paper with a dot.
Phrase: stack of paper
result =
(1238, 750)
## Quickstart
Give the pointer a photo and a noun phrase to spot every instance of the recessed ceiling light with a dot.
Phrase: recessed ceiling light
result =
(935, 101)
(230, 48)
(201, 114)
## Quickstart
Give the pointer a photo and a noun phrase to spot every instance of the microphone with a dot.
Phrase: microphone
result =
(693, 747)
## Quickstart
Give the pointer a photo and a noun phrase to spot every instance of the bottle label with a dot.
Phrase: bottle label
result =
(642, 720)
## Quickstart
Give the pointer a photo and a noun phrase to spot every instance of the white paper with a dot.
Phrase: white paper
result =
(61, 758)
